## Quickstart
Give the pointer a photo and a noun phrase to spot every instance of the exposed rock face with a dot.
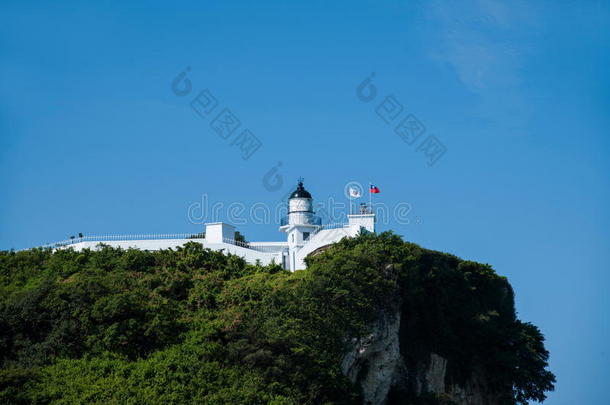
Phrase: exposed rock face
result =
(376, 364)
(474, 391)
(433, 376)
(375, 360)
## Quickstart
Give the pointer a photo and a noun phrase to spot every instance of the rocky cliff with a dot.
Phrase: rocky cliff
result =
(375, 363)
(447, 334)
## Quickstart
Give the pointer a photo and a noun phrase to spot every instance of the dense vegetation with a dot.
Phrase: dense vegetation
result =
(193, 325)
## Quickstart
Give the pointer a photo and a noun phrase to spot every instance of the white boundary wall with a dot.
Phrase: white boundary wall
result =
(250, 255)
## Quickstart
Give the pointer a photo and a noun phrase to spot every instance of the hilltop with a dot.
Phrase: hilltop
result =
(373, 319)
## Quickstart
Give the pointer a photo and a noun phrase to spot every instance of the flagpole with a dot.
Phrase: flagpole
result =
(370, 197)
(349, 197)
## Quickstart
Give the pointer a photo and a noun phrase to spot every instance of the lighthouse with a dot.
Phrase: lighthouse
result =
(300, 224)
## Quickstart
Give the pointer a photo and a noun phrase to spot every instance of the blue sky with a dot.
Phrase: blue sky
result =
(94, 140)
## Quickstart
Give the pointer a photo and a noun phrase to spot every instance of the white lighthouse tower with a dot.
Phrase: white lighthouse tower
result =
(300, 223)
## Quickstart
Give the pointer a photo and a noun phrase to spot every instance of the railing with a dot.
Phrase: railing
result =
(310, 220)
(108, 238)
(264, 249)
(333, 225)
(314, 220)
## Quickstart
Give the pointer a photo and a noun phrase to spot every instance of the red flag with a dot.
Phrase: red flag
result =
(374, 189)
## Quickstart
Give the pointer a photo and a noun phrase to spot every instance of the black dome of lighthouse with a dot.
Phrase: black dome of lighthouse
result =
(300, 192)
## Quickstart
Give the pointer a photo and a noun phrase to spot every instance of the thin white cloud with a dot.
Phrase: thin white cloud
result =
(481, 40)
(488, 43)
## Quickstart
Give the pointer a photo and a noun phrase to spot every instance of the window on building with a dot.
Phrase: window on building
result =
(293, 237)
(305, 235)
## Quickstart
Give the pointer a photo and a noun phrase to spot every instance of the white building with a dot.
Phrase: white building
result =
(304, 234)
